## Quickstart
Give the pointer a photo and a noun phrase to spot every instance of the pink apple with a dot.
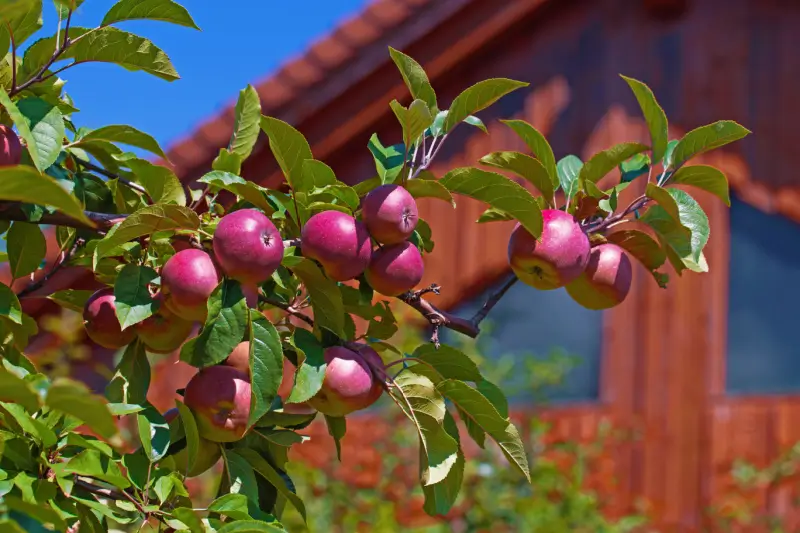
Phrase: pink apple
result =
(10, 147)
(349, 384)
(187, 280)
(101, 323)
(339, 242)
(390, 214)
(395, 269)
(219, 397)
(248, 246)
(164, 331)
(606, 281)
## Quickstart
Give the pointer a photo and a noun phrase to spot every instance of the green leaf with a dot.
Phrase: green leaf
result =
(641, 246)
(484, 414)
(190, 433)
(318, 173)
(667, 160)
(414, 120)
(684, 241)
(247, 122)
(227, 161)
(654, 116)
(146, 221)
(634, 167)
(26, 248)
(247, 190)
(311, 367)
(499, 192)
(8, 525)
(10, 308)
(161, 183)
(478, 123)
(231, 505)
(704, 177)
(524, 166)
(494, 215)
(250, 526)
(389, 161)
(46, 125)
(337, 427)
(41, 513)
(604, 162)
(440, 497)
(610, 204)
(24, 19)
(429, 189)
(448, 361)
(73, 398)
(32, 426)
(415, 78)
(569, 168)
(326, 299)
(131, 380)
(122, 133)
(266, 364)
(479, 96)
(23, 183)
(538, 145)
(163, 10)
(73, 299)
(664, 199)
(16, 390)
(133, 300)
(290, 148)
(225, 327)
(92, 463)
(266, 471)
(153, 433)
(424, 406)
(706, 138)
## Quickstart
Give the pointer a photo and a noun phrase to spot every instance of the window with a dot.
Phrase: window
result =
(529, 325)
(763, 345)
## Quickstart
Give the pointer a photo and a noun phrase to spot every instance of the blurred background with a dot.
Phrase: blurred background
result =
(679, 409)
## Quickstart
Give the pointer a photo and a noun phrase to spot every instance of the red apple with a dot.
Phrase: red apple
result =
(339, 242)
(101, 323)
(606, 281)
(10, 147)
(187, 280)
(349, 384)
(557, 258)
(164, 331)
(208, 453)
(248, 246)
(395, 269)
(239, 358)
(390, 214)
(219, 397)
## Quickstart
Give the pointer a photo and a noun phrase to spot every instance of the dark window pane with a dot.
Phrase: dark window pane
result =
(529, 324)
(763, 346)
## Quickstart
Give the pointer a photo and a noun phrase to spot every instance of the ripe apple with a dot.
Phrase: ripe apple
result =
(606, 281)
(10, 147)
(187, 279)
(395, 269)
(164, 331)
(390, 214)
(339, 242)
(208, 453)
(557, 258)
(349, 384)
(219, 397)
(248, 246)
(101, 323)
(239, 358)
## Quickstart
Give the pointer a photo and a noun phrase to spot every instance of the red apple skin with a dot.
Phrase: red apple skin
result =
(208, 453)
(164, 332)
(390, 214)
(339, 242)
(559, 257)
(374, 361)
(395, 269)
(251, 295)
(247, 246)
(240, 358)
(219, 397)
(349, 383)
(187, 279)
(606, 281)
(101, 323)
(10, 147)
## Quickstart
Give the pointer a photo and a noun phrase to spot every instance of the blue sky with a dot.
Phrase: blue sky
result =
(241, 42)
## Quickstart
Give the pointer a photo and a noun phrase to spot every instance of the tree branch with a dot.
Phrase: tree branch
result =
(64, 259)
(288, 308)
(437, 317)
(635, 205)
(108, 493)
(493, 300)
(103, 221)
(110, 175)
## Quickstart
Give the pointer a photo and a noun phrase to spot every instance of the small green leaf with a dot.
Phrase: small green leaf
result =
(604, 162)
(704, 177)
(16, 390)
(524, 166)
(634, 167)
(684, 240)
(46, 124)
(24, 19)
(440, 497)
(326, 299)
(247, 122)
(478, 97)
(448, 361)
(247, 190)
(41, 513)
(10, 308)
(415, 78)
(73, 299)
(227, 161)
(133, 300)
(153, 433)
(337, 427)
(224, 328)
(653, 114)
(32, 426)
(266, 364)
(664, 199)
(122, 133)
(290, 148)
(311, 368)
(190, 433)
(478, 123)
(131, 381)
(163, 10)
(568, 168)
(641, 246)
(231, 505)
(266, 471)
(23, 183)
(538, 145)
(388, 161)
(92, 463)
(419, 188)
(706, 138)
(26, 248)
(414, 120)
(250, 526)
(494, 215)
(499, 192)
(318, 173)
(668, 153)
(161, 183)
(73, 398)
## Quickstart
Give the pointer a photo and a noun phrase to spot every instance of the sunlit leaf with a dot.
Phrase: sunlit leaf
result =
(415, 78)
(653, 114)
(703, 177)
(706, 138)
(75, 399)
(26, 248)
(290, 148)
(162, 10)
(478, 97)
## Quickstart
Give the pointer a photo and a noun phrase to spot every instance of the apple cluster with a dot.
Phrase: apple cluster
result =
(596, 277)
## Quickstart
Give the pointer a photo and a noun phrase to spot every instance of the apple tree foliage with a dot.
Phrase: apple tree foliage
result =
(123, 217)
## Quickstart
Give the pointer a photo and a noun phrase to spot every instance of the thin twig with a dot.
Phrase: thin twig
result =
(493, 300)
(196, 203)
(38, 77)
(435, 316)
(635, 205)
(66, 30)
(288, 308)
(102, 221)
(108, 493)
(63, 260)
(110, 175)
(427, 160)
